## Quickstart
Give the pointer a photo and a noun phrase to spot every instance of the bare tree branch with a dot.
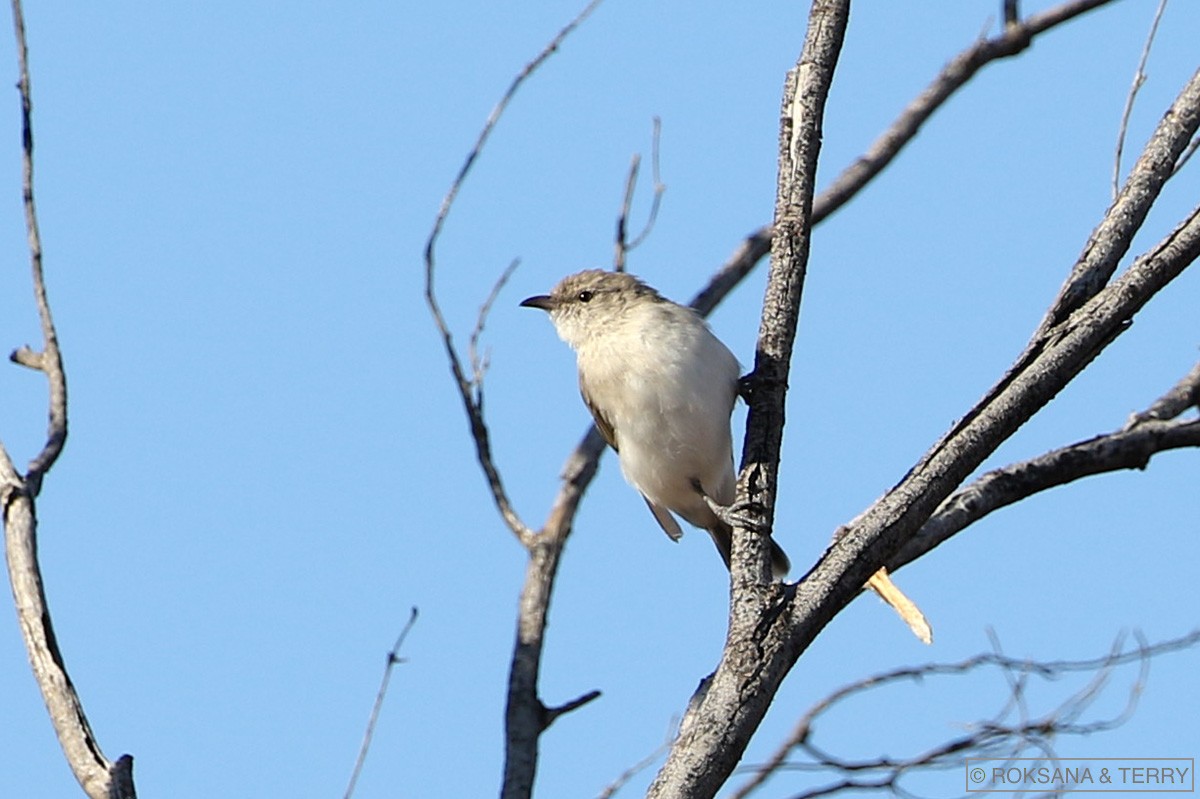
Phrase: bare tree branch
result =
(49, 360)
(622, 244)
(768, 631)
(99, 777)
(1187, 154)
(771, 626)
(479, 363)
(625, 776)
(1112, 238)
(1147, 433)
(1183, 395)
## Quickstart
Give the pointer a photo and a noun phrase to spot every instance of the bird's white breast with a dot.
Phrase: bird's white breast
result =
(667, 385)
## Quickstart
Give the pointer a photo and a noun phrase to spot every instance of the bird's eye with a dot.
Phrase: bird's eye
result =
(584, 296)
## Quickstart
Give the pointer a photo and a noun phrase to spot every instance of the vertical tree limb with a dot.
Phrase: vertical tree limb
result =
(717, 726)
(99, 777)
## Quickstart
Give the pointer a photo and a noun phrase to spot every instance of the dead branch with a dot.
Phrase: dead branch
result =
(623, 245)
(1111, 239)
(99, 777)
(784, 629)
(1016, 36)
(625, 776)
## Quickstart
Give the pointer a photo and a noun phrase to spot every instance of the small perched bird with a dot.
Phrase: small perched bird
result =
(661, 388)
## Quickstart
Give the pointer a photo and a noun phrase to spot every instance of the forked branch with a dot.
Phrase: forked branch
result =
(1154, 430)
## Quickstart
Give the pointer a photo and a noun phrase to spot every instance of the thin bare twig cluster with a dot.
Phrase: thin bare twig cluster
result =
(1014, 731)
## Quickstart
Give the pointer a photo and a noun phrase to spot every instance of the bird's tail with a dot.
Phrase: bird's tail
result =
(722, 536)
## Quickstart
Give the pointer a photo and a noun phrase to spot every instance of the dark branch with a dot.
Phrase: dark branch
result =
(551, 714)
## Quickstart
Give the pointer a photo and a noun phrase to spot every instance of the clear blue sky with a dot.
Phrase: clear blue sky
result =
(268, 465)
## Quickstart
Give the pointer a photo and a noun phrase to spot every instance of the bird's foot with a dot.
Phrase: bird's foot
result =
(746, 515)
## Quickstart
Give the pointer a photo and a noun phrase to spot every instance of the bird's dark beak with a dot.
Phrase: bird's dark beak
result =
(543, 301)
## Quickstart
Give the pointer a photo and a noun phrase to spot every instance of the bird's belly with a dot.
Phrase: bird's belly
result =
(665, 462)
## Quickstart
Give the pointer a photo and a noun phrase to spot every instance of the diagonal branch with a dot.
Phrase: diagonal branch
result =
(1016, 37)
(393, 658)
(904, 509)
(1147, 433)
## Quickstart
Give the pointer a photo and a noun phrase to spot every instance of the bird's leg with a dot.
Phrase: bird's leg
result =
(747, 515)
(747, 384)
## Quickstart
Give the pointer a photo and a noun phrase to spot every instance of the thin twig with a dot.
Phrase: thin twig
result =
(956, 74)
(486, 132)
(620, 245)
(1183, 395)
(623, 245)
(628, 774)
(659, 187)
(1139, 78)
(1186, 156)
(393, 657)
(479, 363)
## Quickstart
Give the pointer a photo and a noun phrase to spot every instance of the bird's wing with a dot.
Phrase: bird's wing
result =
(665, 520)
(602, 423)
(661, 514)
